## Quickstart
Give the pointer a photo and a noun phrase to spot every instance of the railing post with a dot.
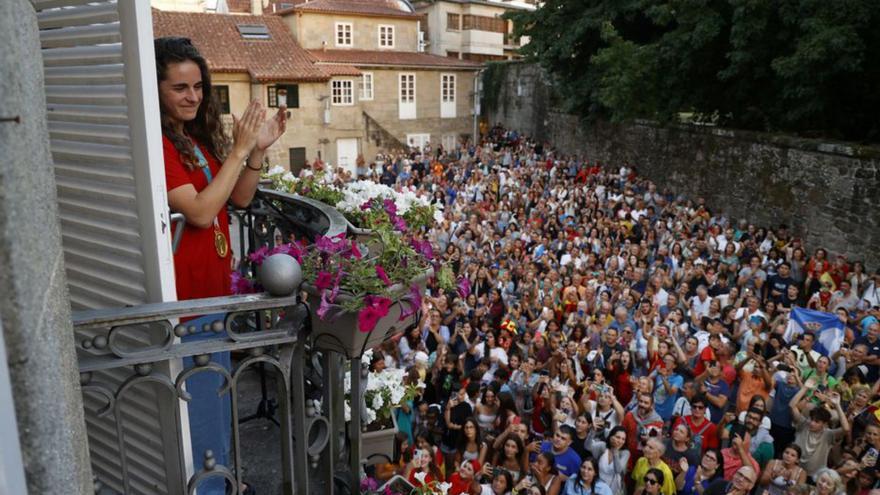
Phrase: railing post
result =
(356, 406)
(298, 400)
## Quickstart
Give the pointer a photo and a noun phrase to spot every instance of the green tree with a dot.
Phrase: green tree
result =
(803, 66)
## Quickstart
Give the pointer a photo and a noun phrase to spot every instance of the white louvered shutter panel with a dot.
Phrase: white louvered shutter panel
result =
(106, 144)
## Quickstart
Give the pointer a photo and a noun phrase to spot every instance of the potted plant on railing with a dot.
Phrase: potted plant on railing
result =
(361, 283)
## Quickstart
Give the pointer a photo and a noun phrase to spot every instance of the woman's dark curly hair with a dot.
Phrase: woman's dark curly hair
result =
(207, 127)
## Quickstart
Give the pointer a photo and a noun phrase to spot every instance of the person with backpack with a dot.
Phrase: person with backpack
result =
(704, 432)
(642, 424)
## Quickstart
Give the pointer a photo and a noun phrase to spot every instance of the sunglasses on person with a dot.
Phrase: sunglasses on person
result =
(651, 481)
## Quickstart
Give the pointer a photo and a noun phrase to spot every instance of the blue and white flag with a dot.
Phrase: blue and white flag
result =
(827, 328)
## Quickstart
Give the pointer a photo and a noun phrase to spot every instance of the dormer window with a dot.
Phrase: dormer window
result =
(253, 31)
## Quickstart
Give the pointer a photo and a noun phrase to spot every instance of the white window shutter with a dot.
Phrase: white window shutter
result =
(105, 138)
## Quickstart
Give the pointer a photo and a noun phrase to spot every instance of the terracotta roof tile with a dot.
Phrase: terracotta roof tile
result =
(279, 58)
(381, 8)
(390, 58)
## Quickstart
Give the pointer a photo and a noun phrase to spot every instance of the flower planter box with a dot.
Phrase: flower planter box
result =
(341, 333)
(377, 445)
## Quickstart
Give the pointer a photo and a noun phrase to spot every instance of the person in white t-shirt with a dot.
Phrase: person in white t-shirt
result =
(701, 302)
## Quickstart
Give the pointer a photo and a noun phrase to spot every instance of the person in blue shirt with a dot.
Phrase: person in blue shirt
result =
(587, 481)
(567, 460)
(667, 384)
(715, 389)
(780, 414)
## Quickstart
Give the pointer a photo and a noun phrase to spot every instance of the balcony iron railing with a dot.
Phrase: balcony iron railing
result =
(269, 333)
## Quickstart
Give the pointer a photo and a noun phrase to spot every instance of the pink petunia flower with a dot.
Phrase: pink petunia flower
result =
(411, 303)
(375, 308)
(323, 281)
(258, 256)
(241, 285)
(380, 272)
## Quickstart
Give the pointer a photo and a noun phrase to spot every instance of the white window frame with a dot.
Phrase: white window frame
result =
(406, 102)
(448, 95)
(418, 140)
(342, 92)
(390, 33)
(449, 142)
(367, 85)
(346, 30)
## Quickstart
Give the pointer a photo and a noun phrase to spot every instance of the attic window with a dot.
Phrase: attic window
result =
(253, 31)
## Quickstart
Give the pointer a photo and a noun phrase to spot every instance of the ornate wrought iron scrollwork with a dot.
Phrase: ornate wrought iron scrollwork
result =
(210, 469)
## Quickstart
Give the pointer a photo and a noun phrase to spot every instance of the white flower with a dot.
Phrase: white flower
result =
(438, 215)
(369, 417)
(288, 177)
(444, 487)
(277, 170)
(377, 401)
(421, 477)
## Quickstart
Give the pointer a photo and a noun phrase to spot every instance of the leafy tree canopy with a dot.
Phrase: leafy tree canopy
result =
(810, 67)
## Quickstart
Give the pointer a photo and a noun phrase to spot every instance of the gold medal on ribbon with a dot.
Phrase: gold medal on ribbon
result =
(220, 243)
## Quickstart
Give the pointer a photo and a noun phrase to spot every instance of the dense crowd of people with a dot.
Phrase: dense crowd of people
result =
(611, 337)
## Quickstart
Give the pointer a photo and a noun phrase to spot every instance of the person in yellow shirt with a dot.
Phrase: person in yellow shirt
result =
(653, 459)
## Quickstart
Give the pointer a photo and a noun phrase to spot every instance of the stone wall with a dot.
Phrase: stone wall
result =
(828, 192)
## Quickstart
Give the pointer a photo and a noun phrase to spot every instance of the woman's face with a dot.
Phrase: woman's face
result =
(180, 93)
(511, 450)
(790, 457)
(759, 403)
(470, 430)
(581, 425)
(587, 472)
(825, 484)
(651, 452)
(514, 362)
(709, 462)
(624, 359)
(652, 484)
(872, 435)
(680, 433)
(499, 485)
(598, 377)
(618, 440)
(541, 465)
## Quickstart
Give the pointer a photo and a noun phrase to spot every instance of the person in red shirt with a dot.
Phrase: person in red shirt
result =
(708, 354)
(204, 172)
(704, 433)
(201, 174)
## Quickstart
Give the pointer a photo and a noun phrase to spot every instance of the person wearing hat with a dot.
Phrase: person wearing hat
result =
(464, 479)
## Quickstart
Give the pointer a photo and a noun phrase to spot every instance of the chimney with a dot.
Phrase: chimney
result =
(257, 7)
